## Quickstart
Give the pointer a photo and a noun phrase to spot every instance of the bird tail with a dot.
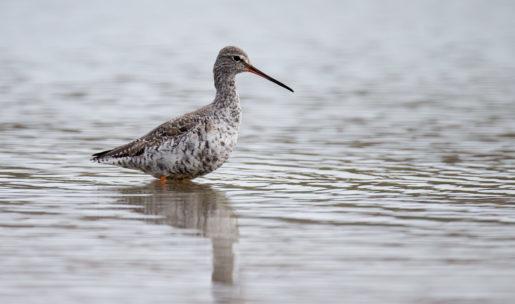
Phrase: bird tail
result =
(98, 157)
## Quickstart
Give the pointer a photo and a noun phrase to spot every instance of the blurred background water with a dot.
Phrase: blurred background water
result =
(388, 177)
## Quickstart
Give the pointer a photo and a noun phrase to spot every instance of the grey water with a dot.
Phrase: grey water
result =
(387, 177)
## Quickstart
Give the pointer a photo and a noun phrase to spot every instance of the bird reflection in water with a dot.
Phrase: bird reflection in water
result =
(193, 206)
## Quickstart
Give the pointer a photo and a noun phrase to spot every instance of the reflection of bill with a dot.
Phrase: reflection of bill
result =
(194, 206)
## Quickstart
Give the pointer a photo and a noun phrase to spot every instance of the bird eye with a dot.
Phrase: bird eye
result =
(236, 58)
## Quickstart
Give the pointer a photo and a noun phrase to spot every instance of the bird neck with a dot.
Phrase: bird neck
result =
(225, 89)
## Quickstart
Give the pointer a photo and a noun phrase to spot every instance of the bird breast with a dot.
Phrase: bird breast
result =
(202, 149)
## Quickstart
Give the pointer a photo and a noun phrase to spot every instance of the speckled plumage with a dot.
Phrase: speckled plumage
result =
(195, 143)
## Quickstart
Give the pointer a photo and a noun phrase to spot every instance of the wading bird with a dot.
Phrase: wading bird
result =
(195, 143)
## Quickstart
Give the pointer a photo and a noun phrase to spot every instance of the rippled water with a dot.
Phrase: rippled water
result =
(388, 177)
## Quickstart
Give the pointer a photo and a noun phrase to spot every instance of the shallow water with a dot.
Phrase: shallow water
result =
(388, 177)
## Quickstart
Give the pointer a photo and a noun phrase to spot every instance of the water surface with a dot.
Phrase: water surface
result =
(388, 177)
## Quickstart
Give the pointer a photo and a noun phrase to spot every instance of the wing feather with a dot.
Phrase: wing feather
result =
(155, 137)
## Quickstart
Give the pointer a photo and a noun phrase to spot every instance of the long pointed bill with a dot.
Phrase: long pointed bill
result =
(252, 69)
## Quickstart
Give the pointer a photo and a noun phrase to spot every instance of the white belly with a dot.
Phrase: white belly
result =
(199, 151)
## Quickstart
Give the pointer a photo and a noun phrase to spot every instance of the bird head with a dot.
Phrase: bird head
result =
(233, 60)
